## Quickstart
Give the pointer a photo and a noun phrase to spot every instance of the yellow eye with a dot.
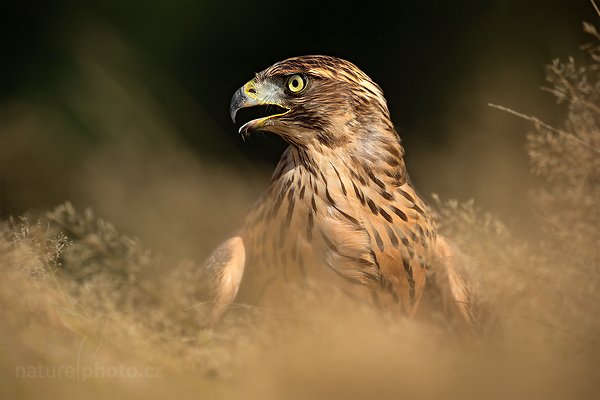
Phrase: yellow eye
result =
(295, 83)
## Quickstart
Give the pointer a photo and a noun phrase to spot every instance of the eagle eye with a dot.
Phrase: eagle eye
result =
(296, 83)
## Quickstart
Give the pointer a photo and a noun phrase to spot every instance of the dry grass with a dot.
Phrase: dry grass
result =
(83, 307)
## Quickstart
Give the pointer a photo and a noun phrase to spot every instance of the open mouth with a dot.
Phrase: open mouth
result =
(248, 115)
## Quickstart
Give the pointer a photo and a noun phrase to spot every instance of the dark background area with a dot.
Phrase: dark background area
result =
(439, 63)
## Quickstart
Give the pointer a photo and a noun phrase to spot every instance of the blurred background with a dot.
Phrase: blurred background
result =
(124, 105)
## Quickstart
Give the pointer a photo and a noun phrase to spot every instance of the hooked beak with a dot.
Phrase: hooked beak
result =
(250, 111)
(238, 101)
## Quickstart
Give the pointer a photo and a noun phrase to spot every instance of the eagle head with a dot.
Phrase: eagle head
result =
(312, 100)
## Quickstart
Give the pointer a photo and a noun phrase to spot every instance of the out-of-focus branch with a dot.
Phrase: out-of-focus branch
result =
(539, 123)
(595, 7)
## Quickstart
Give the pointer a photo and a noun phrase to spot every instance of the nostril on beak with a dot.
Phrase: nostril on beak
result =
(252, 90)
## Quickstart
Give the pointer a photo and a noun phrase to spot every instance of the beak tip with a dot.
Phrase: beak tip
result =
(237, 102)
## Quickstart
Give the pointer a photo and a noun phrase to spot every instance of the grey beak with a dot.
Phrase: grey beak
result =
(239, 100)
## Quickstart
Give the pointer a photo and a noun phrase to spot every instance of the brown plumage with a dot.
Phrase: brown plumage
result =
(340, 209)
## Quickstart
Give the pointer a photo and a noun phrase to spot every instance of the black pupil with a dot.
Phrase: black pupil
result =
(295, 82)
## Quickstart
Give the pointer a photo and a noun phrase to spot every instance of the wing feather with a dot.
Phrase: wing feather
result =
(225, 269)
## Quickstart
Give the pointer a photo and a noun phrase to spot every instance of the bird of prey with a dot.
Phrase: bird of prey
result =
(340, 210)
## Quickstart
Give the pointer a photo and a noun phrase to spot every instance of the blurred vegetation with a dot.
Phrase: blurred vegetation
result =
(77, 292)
